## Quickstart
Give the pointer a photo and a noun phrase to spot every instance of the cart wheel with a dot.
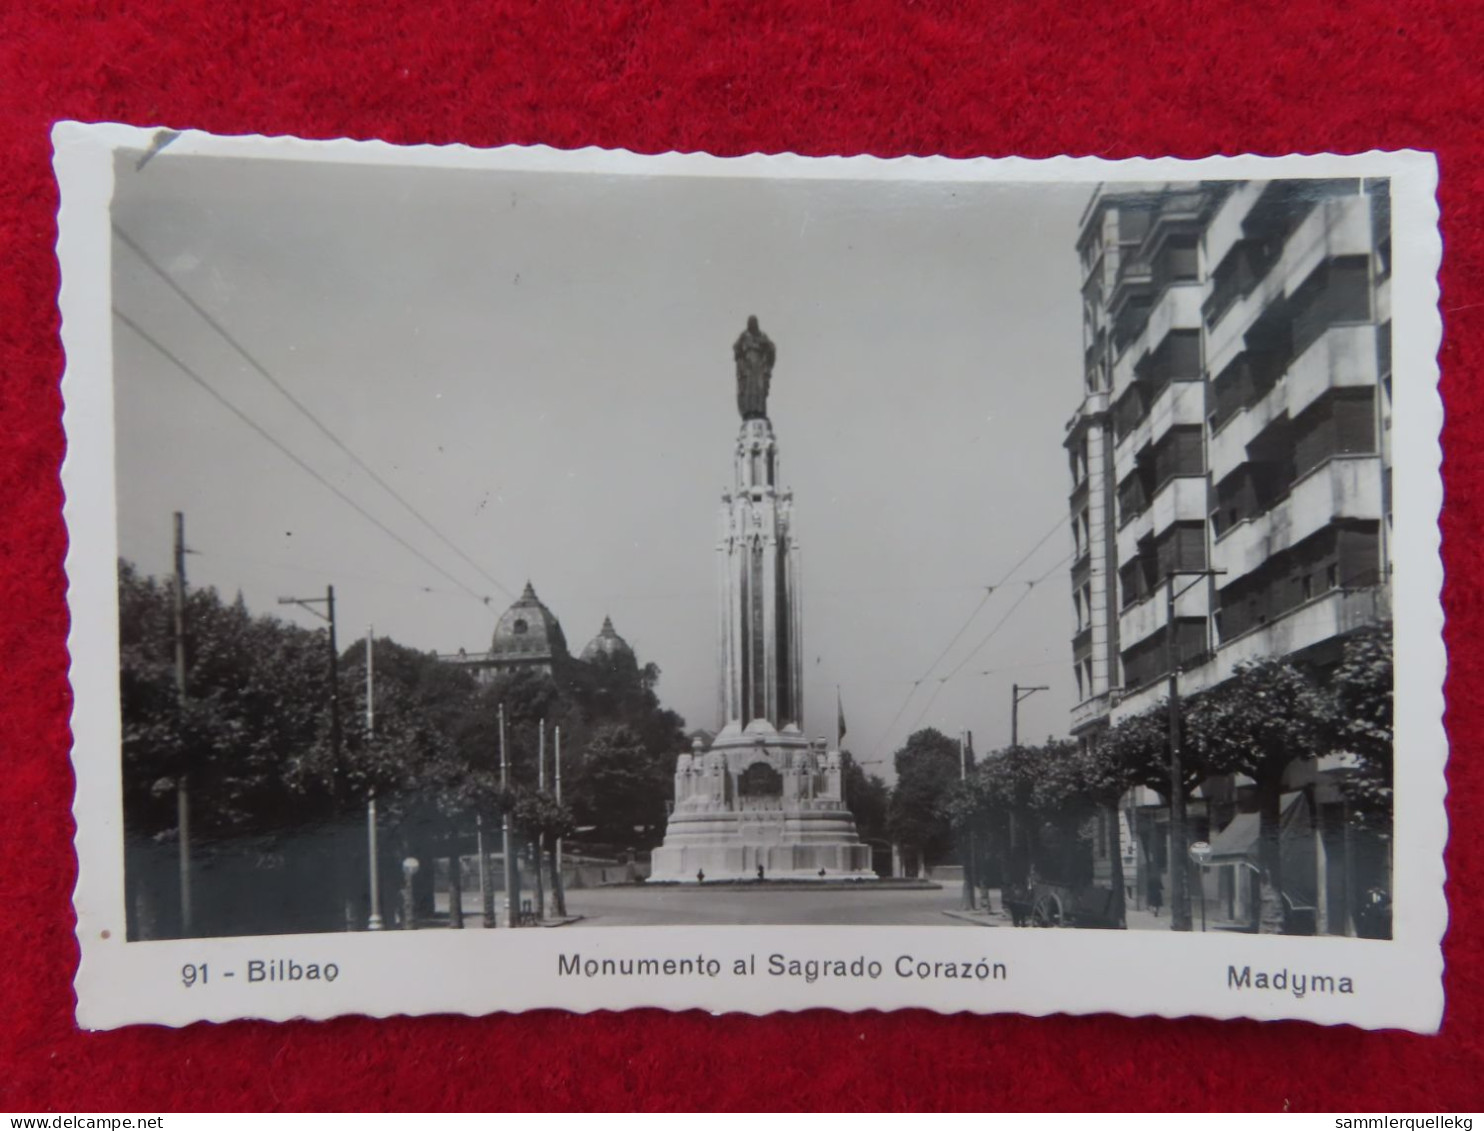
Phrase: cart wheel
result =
(1047, 911)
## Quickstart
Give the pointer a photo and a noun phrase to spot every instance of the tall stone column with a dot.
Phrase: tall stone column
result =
(796, 644)
(770, 629)
(723, 619)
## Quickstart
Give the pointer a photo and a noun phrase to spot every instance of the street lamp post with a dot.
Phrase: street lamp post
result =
(512, 897)
(966, 901)
(1179, 873)
(373, 922)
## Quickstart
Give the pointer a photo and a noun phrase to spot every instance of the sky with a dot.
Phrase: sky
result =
(541, 365)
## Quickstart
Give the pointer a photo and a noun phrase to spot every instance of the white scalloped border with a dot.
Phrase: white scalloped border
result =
(1158, 974)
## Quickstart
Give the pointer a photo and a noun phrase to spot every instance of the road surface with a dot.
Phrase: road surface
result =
(641, 906)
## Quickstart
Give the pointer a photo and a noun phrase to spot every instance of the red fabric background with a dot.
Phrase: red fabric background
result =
(1006, 77)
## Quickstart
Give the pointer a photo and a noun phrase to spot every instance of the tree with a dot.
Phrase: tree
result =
(543, 820)
(1269, 715)
(619, 788)
(927, 774)
(1363, 689)
(1108, 770)
(1033, 801)
(1137, 750)
(867, 798)
(252, 740)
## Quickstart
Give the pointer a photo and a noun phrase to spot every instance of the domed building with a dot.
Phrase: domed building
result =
(607, 645)
(528, 637)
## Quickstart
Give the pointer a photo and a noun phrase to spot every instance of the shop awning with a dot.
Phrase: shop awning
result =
(1238, 841)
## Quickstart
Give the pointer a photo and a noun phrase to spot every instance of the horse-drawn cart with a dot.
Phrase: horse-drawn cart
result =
(1042, 904)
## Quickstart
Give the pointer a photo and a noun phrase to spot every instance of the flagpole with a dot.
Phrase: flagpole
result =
(840, 744)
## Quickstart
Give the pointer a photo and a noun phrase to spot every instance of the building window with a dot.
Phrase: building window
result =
(1148, 660)
(1177, 262)
(1336, 293)
(1380, 193)
(1249, 378)
(1181, 451)
(1181, 548)
(1261, 483)
(1342, 423)
(1346, 555)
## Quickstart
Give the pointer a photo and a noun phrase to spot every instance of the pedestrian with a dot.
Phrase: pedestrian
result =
(700, 875)
(1156, 893)
(759, 871)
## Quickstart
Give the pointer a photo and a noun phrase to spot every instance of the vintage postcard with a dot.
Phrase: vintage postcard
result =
(518, 578)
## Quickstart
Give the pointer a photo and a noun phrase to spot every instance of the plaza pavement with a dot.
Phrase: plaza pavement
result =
(641, 906)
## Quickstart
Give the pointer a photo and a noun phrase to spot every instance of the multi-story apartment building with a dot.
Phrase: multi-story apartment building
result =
(1235, 418)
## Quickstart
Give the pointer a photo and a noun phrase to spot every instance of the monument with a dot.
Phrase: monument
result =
(762, 800)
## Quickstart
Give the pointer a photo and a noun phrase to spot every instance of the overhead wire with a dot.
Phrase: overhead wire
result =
(989, 591)
(1030, 587)
(324, 429)
(320, 571)
(265, 434)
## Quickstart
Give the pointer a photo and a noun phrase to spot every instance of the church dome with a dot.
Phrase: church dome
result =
(528, 633)
(607, 643)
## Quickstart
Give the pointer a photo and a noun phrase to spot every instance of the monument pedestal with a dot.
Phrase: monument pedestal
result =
(760, 798)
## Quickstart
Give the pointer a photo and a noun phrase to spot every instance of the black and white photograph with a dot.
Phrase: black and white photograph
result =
(642, 572)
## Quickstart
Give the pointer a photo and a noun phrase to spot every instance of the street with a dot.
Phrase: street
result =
(641, 906)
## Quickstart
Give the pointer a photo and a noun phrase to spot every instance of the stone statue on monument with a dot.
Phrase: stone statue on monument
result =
(755, 354)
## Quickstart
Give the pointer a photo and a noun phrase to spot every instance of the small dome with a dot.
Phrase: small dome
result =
(528, 632)
(607, 643)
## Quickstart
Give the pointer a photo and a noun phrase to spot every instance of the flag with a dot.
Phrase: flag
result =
(840, 724)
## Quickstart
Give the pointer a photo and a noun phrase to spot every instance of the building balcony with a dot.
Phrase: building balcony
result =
(1327, 617)
(1342, 487)
(1226, 228)
(1143, 619)
(1344, 356)
(1177, 308)
(1082, 644)
(1179, 402)
(1091, 712)
(1082, 569)
(1336, 227)
(1093, 408)
(1180, 498)
(1132, 532)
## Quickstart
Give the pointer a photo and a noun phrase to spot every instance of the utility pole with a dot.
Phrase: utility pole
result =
(182, 781)
(328, 616)
(373, 923)
(557, 891)
(538, 885)
(1179, 862)
(966, 901)
(1018, 695)
(512, 897)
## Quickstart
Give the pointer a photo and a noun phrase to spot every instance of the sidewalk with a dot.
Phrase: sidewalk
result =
(979, 917)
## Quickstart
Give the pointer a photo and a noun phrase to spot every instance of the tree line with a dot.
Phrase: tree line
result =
(1034, 807)
(277, 817)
